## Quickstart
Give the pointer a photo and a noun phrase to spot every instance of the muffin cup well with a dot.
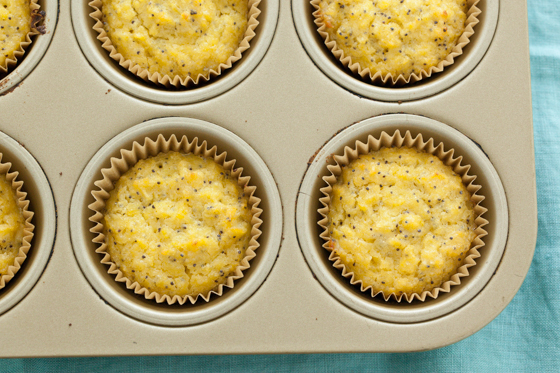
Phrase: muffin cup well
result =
(388, 79)
(36, 19)
(23, 204)
(448, 158)
(152, 148)
(166, 80)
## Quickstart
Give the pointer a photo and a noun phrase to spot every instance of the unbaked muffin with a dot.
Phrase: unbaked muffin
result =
(15, 24)
(397, 37)
(401, 221)
(12, 224)
(182, 38)
(178, 224)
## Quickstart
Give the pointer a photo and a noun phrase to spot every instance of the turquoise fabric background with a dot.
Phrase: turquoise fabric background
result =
(525, 336)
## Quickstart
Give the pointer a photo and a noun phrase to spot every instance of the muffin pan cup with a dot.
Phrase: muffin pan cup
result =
(37, 45)
(320, 261)
(40, 222)
(73, 119)
(349, 78)
(118, 76)
(141, 306)
(36, 21)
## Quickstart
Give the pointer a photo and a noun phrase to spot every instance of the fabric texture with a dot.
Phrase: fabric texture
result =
(524, 337)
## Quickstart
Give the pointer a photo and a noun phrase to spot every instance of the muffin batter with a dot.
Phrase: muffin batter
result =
(176, 37)
(395, 36)
(11, 226)
(401, 220)
(177, 224)
(15, 24)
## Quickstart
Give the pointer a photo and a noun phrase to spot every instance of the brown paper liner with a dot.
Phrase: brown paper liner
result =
(166, 80)
(448, 158)
(149, 149)
(23, 204)
(36, 18)
(389, 79)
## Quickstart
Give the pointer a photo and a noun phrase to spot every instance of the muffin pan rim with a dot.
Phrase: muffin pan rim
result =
(103, 284)
(433, 86)
(131, 85)
(36, 268)
(313, 255)
(35, 52)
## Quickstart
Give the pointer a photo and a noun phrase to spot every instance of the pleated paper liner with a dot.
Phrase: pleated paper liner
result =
(151, 148)
(377, 77)
(449, 158)
(37, 17)
(23, 204)
(166, 80)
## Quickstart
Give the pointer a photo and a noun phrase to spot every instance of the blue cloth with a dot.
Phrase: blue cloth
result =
(525, 336)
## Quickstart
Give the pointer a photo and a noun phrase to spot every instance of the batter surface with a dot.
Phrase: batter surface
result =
(177, 224)
(395, 36)
(401, 220)
(176, 37)
(11, 225)
(15, 24)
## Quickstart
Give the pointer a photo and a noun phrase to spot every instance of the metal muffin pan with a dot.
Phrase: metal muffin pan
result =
(317, 257)
(275, 120)
(128, 82)
(148, 310)
(41, 202)
(35, 52)
(473, 53)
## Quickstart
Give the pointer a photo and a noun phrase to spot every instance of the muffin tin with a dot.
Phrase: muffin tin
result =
(281, 111)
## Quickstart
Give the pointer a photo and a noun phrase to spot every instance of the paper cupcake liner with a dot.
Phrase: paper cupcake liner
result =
(377, 77)
(449, 159)
(166, 80)
(149, 149)
(23, 204)
(37, 17)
